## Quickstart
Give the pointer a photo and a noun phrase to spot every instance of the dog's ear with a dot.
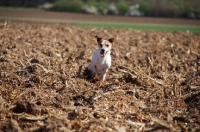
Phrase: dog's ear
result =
(111, 40)
(98, 39)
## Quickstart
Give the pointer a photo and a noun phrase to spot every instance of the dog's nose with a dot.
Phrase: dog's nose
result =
(102, 50)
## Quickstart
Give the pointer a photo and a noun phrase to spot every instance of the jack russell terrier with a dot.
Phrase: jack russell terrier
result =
(101, 59)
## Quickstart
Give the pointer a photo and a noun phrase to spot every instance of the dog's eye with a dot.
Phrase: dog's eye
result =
(100, 45)
(107, 45)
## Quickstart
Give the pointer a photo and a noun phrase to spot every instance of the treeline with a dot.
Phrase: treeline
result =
(161, 8)
(24, 3)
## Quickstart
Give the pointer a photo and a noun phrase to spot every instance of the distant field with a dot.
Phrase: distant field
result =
(138, 23)
(136, 26)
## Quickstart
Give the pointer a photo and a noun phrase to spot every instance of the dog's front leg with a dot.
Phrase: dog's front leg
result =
(103, 75)
(93, 69)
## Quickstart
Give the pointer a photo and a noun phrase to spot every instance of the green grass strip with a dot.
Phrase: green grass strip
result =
(159, 27)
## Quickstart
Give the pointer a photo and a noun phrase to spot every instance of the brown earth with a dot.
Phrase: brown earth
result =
(152, 85)
(20, 13)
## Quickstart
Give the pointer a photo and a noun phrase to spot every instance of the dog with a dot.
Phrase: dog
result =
(101, 59)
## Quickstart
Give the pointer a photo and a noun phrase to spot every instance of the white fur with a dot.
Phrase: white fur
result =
(100, 65)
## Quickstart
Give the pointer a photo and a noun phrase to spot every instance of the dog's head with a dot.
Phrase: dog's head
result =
(104, 45)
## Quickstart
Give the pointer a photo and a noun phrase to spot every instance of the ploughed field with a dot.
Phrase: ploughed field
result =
(152, 85)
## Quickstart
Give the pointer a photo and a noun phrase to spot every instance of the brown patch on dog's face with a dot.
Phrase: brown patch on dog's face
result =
(104, 45)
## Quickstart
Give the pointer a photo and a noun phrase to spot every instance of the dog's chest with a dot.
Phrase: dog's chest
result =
(103, 64)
